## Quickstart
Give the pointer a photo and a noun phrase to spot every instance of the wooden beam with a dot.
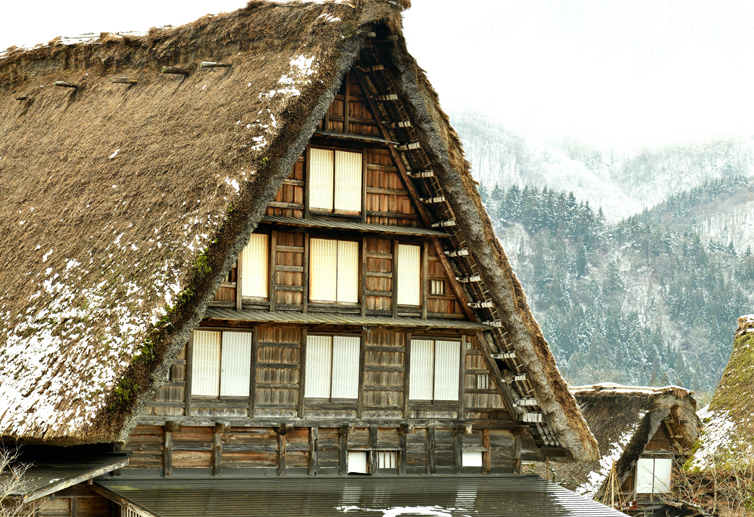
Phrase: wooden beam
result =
(431, 450)
(74, 507)
(175, 70)
(403, 444)
(253, 380)
(455, 286)
(517, 439)
(394, 298)
(407, 377)
(362, 361)
(363, 275)
(458, 451)
(167, 451)
(313, 450)
(273, 269)
(343, 450)
(373, 456)
(487, 454)
(189, 374)
(239, 281)
(307, 178)
(282, 446)
(497, 376)
(123, 80)
(65, 84)
(425, 278)
(217, 449)
(302, 375)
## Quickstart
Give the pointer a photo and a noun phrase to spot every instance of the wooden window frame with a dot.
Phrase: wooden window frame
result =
(359, 380)
(359, 259)
(434, 401)
(270, 271)
(334, 211)
(190, 365)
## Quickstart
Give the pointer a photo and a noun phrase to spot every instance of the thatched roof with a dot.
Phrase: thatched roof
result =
(728, 434)
(124, 206)
(624, 419)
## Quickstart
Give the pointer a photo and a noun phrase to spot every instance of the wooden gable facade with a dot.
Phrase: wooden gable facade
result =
(341, 341)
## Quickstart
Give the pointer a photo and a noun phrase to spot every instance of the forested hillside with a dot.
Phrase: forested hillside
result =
(633, 302)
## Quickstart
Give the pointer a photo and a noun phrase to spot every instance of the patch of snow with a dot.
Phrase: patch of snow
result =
(114, 155)
(46, 256)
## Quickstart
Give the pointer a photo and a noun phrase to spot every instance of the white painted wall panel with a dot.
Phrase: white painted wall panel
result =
(422, 370)
(324, 268)
(663, 472)
(321, 180)
(348, 272)
(345, 367)
(357, 462)
(255, 261)
(447, 364)
(472, 459)
(644, 475)
(347, 181)
(318, 366)
(205, 364)
(235, 371)
(409, 274)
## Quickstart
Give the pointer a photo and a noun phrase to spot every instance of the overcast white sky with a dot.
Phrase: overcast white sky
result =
(616, 72)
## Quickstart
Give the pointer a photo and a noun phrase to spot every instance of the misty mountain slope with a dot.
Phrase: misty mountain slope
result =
(500, 156)
(722, 210)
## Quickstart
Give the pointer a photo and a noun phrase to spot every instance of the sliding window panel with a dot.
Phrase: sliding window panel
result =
(236, 364)
(348, 272)
(318, 366)
(321, 180)
(255, 261)
(422, 370)
(324, 270)
(205, 369)
(409, 274)
(447, 364)
(645, 475)
(345, 367)
(348, 181)
(663, 472)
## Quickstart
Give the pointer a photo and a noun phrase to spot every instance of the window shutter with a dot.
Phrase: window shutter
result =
(348, 272)
(357, 463)
(205, 364)
(321, 179)
(236, 364)
(318, 366)
(409, 275)
(345, 367)
(663, 471)
(324, 270)
(447, 363)
(254, 264)
(422, 370)
(348, 181)
(644, 475)
(472, 459)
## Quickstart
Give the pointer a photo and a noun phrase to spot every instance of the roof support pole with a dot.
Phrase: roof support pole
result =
(431, 450)
(343, 450)
(313, 450)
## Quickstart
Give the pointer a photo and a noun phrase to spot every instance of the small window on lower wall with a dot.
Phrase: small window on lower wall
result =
(387, 459)
(653, 475)
(434, 370)
(332, 367)
(472, 458)
(221, 364)
(357, 463)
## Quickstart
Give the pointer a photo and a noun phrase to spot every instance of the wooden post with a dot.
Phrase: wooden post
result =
(253, 387)
(517, 453)
(313, 450)
(217, 449)
(487, 454)
(74, 506)
(347, 104)
(343, 450)
(239, 280)
(431, 450)
(273, 269)
(394, 298)
(305, 293)
(302, 375)
(282, 446)
(458, 450)
(364, 184)
(501, 385)
(407, 377)
(189, 374)
(307, 178)
(462, 378)
(362, 361)
(374, 462)
(363, 275)
(547, 468)
(455, 286)
(403, 444)
(167, 449)
(425, 278)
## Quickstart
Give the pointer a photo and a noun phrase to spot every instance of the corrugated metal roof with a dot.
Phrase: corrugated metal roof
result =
(336, 319)
(47, 476)
(362, 496)
(348, 225)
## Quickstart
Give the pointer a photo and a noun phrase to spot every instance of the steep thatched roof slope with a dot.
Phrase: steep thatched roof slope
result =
(125, 205)
(624, 419)
(728, 434)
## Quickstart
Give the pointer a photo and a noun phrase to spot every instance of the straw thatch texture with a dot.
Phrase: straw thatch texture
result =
(124, 206)
(624, 419)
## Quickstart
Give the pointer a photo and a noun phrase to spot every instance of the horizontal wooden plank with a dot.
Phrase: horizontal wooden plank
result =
(289, 249)
(298, 288)
(394, 215)
(379, 274)
(293, 269)
(290, 366)
(389, 191)
(383, 168)
(370, 368)
(283, 204)
(296, 183)
(383, 388)
(379, 254)
(385, 348)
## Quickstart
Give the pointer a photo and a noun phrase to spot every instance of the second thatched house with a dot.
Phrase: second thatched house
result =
(644, 434)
